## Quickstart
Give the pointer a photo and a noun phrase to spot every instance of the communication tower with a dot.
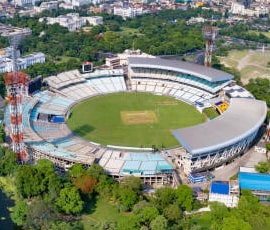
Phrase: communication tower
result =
(16, 83)
(209, 34)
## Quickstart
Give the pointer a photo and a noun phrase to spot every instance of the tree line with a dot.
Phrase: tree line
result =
(48, 200)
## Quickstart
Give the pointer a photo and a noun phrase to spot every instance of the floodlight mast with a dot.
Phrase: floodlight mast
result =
(15, 84)
(209, 34)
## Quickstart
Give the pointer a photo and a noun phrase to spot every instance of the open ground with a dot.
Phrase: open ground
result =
(132, 119)
(250, 63)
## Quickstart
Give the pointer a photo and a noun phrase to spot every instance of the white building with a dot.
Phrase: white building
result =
(52, 5)
(76, 3)
(121, 59)
(6, 62)
(129, 12)
(225, 192)
(239, 9)
(24, 2)
(95, 20)
(73, 21)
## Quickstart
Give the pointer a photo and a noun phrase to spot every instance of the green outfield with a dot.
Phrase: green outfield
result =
(132, 119)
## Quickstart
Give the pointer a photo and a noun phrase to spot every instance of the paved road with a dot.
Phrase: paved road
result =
(249, 159)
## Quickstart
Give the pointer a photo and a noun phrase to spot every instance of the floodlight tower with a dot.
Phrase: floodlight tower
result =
(209, 34)
(15, 84)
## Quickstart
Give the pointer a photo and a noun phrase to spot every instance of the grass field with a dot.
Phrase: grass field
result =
(100, 213)
(132, 119)
(250, 63)
(210, 112)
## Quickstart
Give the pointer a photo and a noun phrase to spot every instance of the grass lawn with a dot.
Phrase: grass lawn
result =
(202, 220)
(100, 213)
(99, 119)
(250, 63)
(210, 112)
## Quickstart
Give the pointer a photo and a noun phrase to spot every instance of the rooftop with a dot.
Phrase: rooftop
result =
(220, 187)
(254, 181)
(200, 71)
(242, 118)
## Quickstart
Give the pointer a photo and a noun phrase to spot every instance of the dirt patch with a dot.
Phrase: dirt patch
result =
(138, 117)
(167, 103)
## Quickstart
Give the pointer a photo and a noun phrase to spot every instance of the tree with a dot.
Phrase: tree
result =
(85, 183)
(76, 170)
(260, 88)
(45, 166)
(2, 134)
(8, 161)
(69, 201)
(164, 197)
(262, 167)
(218, 213)
(138, 207)
(147, 214)
(185, 197)
(133, 183)
(39, 214)
(173, 213)
(159, 223)
(248, 204)
(19, 213)
(233, 223)
(27, 181)
(267, 145)
(127, 198)
(96, 171)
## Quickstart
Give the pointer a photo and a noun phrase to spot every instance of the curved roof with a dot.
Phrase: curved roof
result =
(242, 118)
(200, 71)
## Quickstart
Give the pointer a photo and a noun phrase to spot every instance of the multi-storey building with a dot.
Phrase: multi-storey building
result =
(129, 12)
(25, 2)
(73, 21)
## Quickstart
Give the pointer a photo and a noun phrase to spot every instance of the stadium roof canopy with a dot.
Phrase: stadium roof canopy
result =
(196, 70)
(242, 118)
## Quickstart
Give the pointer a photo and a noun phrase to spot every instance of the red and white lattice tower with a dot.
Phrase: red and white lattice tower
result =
(209, 34)
(16, 82)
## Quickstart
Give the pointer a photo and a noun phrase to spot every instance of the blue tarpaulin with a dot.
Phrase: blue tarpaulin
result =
(220, 187)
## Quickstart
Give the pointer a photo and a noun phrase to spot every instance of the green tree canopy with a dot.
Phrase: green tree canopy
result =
(19, 213)
(69, 201)
(127, 198)
(159, 223)
(164, 197)
(233, 223)
(133, 183)
(262, 167)
(218, 212)
(185, 197)
(8, 161)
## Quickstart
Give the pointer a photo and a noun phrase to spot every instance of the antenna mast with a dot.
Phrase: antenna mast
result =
(15, 84)
(209, 34)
